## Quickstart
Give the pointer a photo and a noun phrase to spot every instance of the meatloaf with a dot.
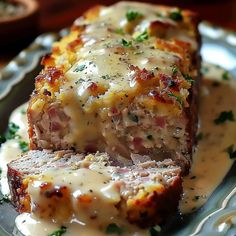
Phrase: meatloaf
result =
(124, 81)
(63, 186)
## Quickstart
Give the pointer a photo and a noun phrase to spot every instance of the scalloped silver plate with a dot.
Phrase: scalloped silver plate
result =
(217, 216)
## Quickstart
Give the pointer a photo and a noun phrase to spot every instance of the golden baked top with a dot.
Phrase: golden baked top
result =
(116, 54)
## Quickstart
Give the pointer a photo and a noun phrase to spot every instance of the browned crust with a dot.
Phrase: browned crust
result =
(159, 208)
(193, 99)
(18, 190)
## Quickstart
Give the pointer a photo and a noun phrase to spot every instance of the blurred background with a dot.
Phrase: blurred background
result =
(53, 15)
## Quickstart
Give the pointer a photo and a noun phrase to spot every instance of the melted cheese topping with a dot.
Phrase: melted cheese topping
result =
(92, 196)
(103, 67)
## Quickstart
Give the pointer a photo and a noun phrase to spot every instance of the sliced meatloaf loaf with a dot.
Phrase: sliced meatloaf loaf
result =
(63, 186)
(125, 81)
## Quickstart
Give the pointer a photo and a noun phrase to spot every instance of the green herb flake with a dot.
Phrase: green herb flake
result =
(143, 36)
(133, 15)
(177, 98)
(232, 153)
(225, 75)
(133, 117)
(155, 231)
(12, 129)
(176, 15)
(106, 77)
(199, 136)
(149, 137)
(79, 68)
(174, 70)
(23, 146)
(4, 198)
(188, 78)
(113, 229)
(58, 232)
(125, 43)
(2, 139)
(224, 116)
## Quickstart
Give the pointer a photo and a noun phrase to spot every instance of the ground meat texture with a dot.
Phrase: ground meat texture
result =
(149, 191)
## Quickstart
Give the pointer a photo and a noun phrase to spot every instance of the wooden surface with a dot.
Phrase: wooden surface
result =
(56, 14)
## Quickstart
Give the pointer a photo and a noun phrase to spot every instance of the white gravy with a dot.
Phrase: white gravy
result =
(211, 161)
(10, 150)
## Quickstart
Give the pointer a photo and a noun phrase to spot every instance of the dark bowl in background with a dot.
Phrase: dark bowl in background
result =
(19, 28)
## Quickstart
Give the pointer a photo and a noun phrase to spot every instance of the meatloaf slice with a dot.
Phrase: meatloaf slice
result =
(63, 186)
(124, 80)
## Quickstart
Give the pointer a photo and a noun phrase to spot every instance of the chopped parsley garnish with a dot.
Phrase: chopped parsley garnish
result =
(230, 150)
(133, 15)
(224, 116)
(155, 231)
(11, 134)
(188, 78)
(2, 139)
(126, 43)
(143, 36)
(4, 198)
(107, 45)
(79, 68)
(225, 76)
(79, 81)
(12, 129)
(133, 117)
(176, 15)
(113, 229)
(106, 77)
(174, 70)
(177, 98)
(58, 232)
(149, 136)
(23, 146)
